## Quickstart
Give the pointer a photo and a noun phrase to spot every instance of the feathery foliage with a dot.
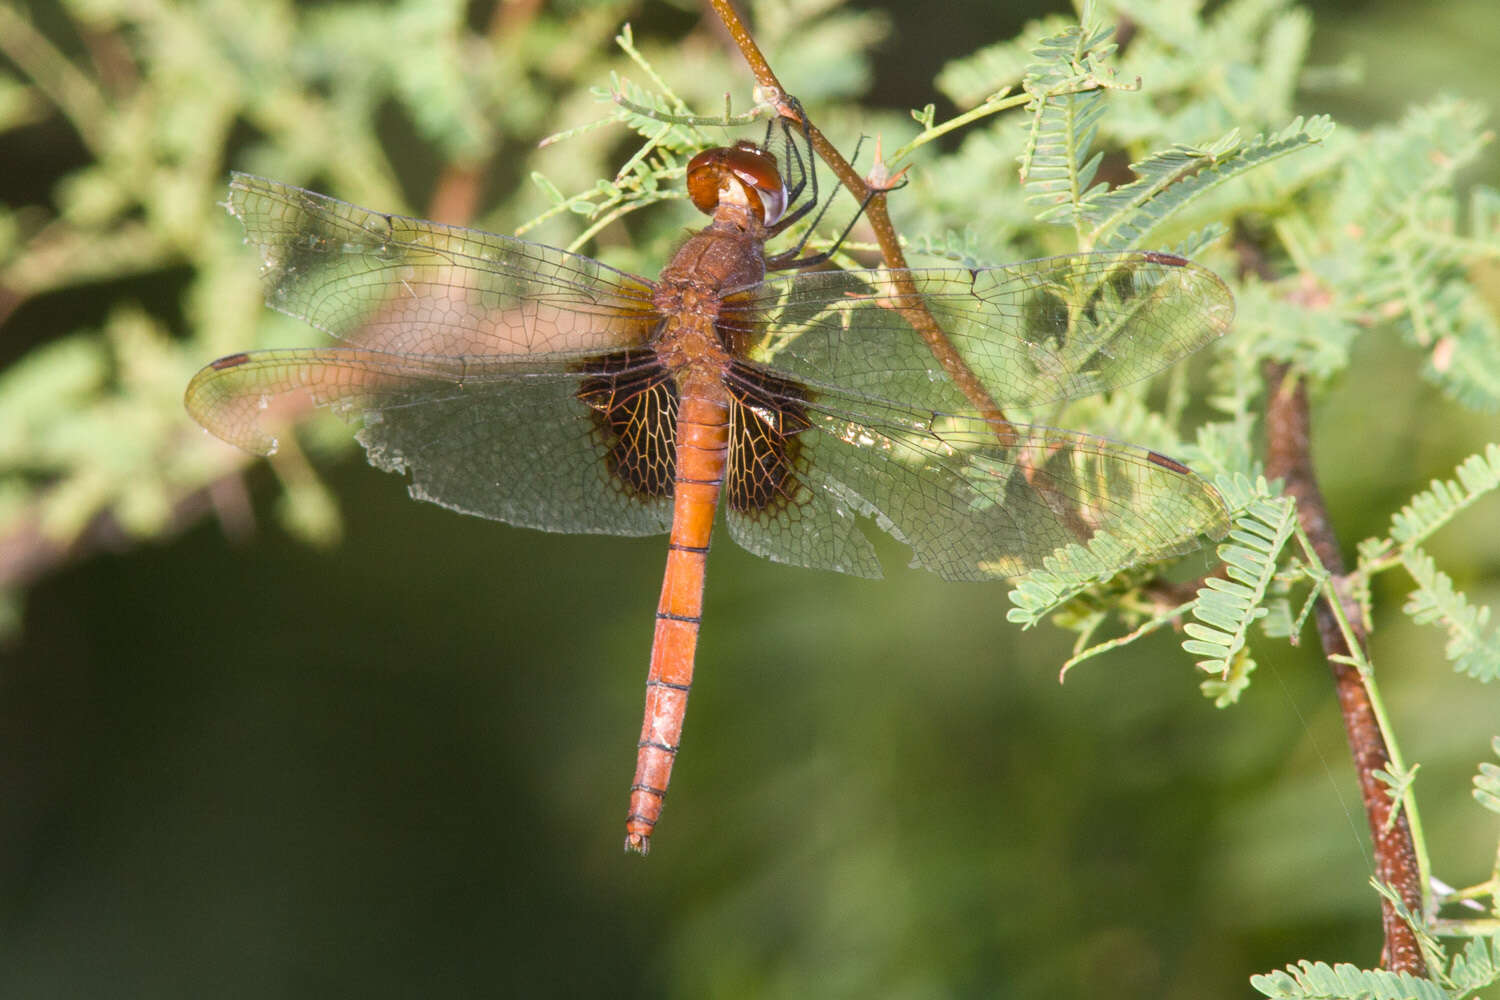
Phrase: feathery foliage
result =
(1227, 606)
(1330, 239)
(1473, 645)
(1067, 573)
(1429, 510)
(1320, 981)
(1487, 781)
(1476, 967)
(1066, 82)
(1059, 163)
(1168, 182)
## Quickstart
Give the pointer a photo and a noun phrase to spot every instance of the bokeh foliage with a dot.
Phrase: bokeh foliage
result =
(1379, 267)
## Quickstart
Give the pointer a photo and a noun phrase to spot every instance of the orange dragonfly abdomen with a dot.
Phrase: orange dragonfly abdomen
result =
(702, 456)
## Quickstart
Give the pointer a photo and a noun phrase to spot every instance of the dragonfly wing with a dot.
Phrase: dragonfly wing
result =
(773, 505)
(1033, 332)
(974, 499)
(559, 447)
(408, 286)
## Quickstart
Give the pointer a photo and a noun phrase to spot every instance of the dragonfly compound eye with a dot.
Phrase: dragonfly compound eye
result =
(746, 171)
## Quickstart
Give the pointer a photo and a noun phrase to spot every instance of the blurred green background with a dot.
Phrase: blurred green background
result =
(236, 764)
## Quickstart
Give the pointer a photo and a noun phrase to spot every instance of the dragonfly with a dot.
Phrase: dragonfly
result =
(543, 388)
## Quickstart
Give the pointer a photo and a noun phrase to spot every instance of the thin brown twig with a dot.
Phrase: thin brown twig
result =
(907, 301)
(1289, 457)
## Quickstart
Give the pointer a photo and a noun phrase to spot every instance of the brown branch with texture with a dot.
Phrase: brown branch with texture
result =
(1289, 457)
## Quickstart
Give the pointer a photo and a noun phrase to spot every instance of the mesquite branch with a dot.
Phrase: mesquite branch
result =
(1289, 457)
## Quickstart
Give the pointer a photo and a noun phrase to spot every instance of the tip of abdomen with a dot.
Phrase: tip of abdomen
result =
(638, 843)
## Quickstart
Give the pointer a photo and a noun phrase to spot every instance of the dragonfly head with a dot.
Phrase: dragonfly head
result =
(743, 174)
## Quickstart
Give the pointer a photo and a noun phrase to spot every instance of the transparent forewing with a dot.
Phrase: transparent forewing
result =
(975, 500)
(512, 442)
(1034, 332)
(409, 286)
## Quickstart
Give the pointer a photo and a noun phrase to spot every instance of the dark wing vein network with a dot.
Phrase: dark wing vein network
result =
(1035, 332)
(892, 437)
(464, 359)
